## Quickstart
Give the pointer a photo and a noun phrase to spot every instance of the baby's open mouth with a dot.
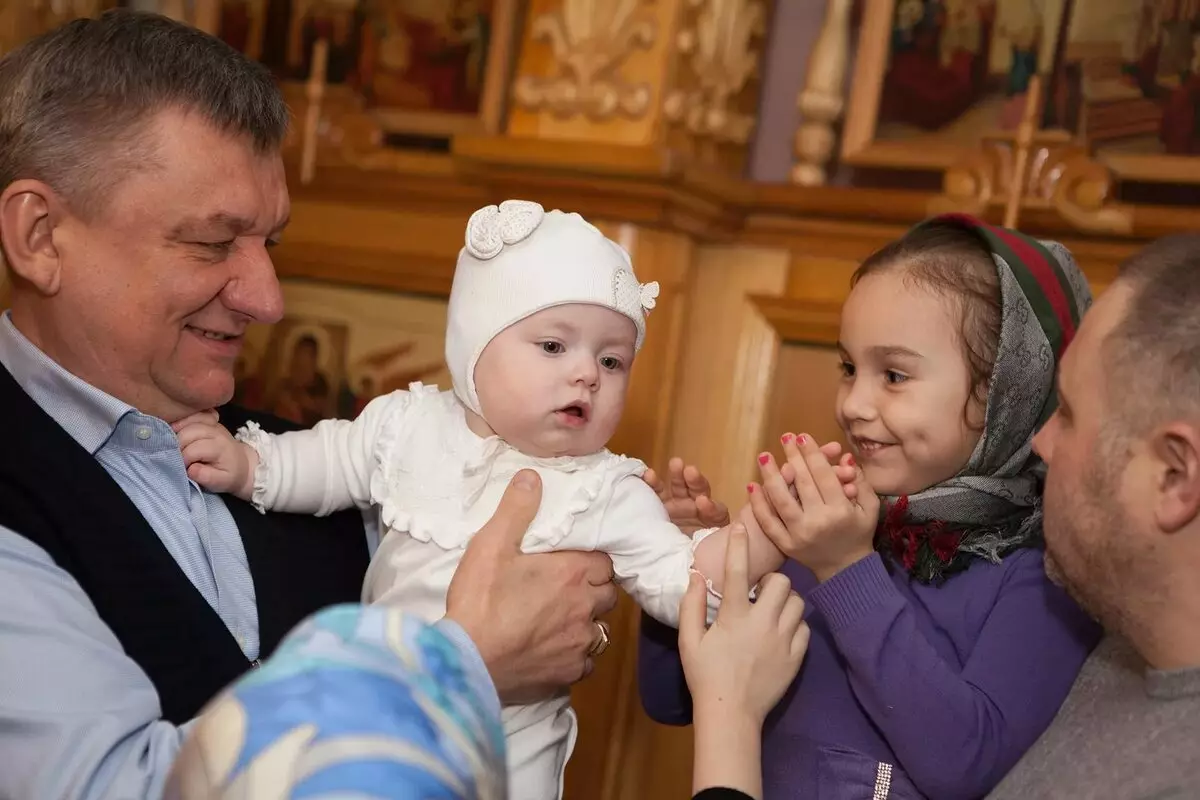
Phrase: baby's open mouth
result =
(579, 411)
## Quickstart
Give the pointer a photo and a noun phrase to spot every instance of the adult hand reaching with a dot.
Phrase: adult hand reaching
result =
(532, 617)
(739, 668)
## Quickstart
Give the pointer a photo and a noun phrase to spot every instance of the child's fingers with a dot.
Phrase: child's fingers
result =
(832, 451)
(206, 417)
(695, 481)
(711, 513)
(768, 520)
(806, 488)
(692, 615)
(204, 450)
(847, 472)
(788, 473)
(676, 485)
(651, 479)
(822, 472)
(846, 469)
(206, 475)
(778, 492)
(193, 433)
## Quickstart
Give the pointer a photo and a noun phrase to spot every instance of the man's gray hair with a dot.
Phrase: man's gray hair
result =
(74, 101)
(1153, 354)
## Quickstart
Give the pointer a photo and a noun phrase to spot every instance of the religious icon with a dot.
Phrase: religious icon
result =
(241, 24)
(420, 54)
(338, 349)
(1119, 77)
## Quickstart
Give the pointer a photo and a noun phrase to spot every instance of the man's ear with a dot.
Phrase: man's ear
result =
(29, 212)
(1176, 452)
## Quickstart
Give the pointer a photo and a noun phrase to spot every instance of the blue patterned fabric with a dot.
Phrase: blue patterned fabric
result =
(358, 701)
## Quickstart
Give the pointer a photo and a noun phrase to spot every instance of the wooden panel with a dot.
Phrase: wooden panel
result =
(716, 422)
(607, 702)
(803, 395)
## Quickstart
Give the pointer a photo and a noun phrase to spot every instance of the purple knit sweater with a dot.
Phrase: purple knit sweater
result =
(949, 684)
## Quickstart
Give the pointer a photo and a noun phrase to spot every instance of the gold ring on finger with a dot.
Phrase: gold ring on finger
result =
(602, 640)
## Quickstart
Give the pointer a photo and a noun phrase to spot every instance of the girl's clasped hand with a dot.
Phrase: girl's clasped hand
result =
(815, 505)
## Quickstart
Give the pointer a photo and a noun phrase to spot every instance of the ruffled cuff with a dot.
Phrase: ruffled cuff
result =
(713, 596)
(264, 445)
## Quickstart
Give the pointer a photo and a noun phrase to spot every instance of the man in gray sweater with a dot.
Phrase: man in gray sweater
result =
(1122, 506)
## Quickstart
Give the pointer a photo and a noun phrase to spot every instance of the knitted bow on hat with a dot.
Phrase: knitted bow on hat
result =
(519, 259)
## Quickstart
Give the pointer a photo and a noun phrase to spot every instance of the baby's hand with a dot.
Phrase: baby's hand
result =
(214, 459)
(687, 497)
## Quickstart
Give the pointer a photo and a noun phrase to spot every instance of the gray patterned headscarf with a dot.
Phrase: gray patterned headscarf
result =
(993, 505)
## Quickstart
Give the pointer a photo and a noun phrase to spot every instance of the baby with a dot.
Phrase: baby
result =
(545, 319)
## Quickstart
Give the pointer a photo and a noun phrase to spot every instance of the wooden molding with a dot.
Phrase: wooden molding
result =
(803, 321)
(643, 185)
(653, 186)
(411, 274)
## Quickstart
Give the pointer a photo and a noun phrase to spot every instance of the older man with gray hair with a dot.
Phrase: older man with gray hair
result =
(141, 187)
(1122, 505)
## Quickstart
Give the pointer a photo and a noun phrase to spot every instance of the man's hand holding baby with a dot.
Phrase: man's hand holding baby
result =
(214, 459)
(532, 617)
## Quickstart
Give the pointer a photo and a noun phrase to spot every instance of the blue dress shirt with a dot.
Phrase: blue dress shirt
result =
(79, 718)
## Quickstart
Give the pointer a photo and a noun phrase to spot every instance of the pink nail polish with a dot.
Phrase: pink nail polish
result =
(763, 458)
(801, 439)
(850, 460)
(750, 488)
(787, 437)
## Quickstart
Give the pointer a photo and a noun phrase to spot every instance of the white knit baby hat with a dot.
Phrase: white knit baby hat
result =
(519, 259)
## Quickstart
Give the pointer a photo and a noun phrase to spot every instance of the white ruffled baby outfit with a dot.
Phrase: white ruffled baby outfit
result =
(411, 456)
(435, 483)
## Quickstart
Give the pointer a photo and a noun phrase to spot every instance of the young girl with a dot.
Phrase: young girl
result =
(940, 650)
(545, 318)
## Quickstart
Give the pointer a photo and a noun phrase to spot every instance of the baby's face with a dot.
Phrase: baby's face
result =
(554, 383)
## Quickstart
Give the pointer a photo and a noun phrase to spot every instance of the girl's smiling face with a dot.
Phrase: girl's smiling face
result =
(905, 402)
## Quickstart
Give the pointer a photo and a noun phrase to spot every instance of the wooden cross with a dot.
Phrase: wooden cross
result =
(1075, 169)
(315, 92)
(1022, 144)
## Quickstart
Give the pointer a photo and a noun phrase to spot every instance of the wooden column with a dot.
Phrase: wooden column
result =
(823, 97)
(715, 419)
(607, 702)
